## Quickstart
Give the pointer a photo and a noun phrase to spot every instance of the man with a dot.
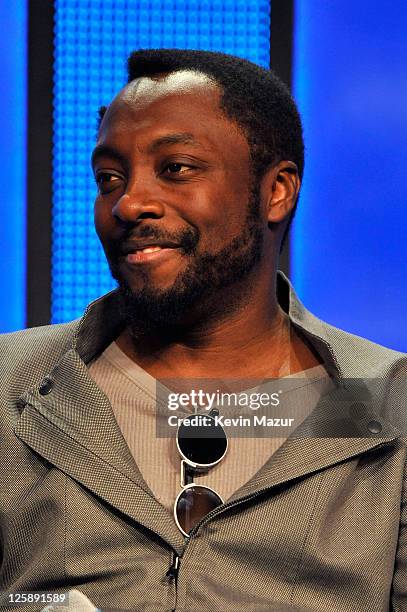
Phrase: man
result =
(198, 165)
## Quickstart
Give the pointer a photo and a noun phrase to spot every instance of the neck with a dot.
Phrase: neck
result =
(254, 339)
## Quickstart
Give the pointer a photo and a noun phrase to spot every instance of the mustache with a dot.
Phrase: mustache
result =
(187, 238)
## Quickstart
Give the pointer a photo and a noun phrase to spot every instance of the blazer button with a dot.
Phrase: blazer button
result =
(46, 386)
(374, 427)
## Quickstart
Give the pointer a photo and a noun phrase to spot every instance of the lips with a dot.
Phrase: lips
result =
(151, 249)
(146, 247)
(150, 253)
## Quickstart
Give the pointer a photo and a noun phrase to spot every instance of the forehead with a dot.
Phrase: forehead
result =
(183, 101)
(148, 89)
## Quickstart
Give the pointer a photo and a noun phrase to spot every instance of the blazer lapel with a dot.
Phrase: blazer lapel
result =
(74, 428)
(345, 423)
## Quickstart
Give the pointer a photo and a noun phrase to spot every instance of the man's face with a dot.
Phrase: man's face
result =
(175, 211)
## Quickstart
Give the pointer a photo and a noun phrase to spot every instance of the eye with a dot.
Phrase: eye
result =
(176, 168)
(106, 177)
(107, 181)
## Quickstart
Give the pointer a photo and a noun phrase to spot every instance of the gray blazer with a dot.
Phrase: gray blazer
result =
(321, 526)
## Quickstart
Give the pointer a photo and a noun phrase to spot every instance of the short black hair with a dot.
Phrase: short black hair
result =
(254, 97)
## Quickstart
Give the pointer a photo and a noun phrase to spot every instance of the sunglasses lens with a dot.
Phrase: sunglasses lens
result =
(201, 440)
(192, 504)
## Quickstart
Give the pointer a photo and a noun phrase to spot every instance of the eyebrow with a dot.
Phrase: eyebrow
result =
(177, 138)
(106, 151)
(169, 139)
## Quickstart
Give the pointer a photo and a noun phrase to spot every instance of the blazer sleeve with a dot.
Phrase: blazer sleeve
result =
(399, 586)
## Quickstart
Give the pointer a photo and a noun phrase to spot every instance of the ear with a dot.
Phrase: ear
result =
(279, 190)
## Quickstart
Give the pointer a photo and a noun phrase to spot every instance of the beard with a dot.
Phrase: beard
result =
(150, 310)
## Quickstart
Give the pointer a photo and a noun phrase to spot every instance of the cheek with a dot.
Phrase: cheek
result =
(233, 206)
(223, 223)
(234, 201)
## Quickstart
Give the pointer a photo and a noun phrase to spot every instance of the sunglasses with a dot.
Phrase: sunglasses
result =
(202, 444)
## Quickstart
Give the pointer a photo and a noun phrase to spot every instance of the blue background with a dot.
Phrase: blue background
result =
(348, 246)
(12, 164)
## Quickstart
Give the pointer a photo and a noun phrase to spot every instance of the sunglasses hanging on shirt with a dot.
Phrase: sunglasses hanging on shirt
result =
(202, 444)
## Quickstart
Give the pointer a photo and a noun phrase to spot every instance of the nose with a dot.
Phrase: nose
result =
(137, 203)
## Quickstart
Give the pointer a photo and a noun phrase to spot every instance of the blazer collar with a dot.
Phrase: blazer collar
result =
(103, 321)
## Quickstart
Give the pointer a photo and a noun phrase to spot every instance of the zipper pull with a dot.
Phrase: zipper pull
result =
(173, 571)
